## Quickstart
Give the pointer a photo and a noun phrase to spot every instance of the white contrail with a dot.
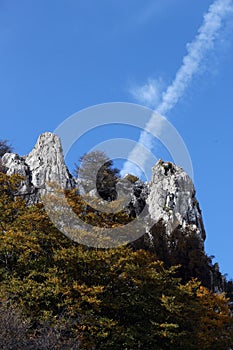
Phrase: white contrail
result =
(203, 42)
(196, 51)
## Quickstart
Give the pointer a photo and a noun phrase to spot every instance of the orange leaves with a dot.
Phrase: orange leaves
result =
(216, 322)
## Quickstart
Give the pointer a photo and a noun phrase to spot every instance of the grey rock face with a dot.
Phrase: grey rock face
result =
(46, 163)
(14, 164)
(172, 199)
(43, 165)
(169, 197)
(139, 194)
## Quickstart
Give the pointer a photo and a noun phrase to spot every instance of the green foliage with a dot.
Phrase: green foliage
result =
(96, 217)
(131, 178)
(10, 204)
(182, 248)
(105, 299)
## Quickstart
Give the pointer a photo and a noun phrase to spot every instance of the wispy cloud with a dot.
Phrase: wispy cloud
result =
(148, 94)
(197, 50)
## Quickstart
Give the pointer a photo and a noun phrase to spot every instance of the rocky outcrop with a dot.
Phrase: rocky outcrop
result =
(169, 197)
(46, 163)
(138, 196)
(14, 164)
(42, 166)
(172, 200)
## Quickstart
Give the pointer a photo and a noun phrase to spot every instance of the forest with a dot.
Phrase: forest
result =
(58, 294)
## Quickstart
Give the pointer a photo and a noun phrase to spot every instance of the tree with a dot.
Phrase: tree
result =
(18, 333)
(182, 247)
(10, 204)
(98, 298)
(185, 250)
(13, 329)
(216, 321)
(5, 147)
(96, 172)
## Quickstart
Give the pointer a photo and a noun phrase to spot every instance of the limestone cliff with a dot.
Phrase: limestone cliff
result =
(43, 165)
(172, 199)
(169, 197)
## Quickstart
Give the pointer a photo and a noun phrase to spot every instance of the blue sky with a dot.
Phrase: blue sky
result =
(58, 57)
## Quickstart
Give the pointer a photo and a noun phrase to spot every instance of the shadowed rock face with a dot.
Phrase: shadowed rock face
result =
(169, 197)
(43, 165)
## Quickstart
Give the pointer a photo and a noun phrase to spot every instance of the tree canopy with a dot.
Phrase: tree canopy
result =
(81, 298)
(96, 171)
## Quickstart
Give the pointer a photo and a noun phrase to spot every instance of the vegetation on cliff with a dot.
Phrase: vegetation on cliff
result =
(56, 294)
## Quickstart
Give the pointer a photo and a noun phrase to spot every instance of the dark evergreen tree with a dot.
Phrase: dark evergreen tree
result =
(96, 171)
(5, 147)
(182, 247)
(185, 250)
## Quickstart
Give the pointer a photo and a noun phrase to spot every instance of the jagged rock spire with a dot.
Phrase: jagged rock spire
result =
(172, 199)
(169, 197)
(46, 162)
(43, 165)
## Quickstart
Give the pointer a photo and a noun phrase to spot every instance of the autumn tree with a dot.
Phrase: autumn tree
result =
(105, 298)
(216, 323)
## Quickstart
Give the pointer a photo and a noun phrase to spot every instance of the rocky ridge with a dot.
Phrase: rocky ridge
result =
(169, 197)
